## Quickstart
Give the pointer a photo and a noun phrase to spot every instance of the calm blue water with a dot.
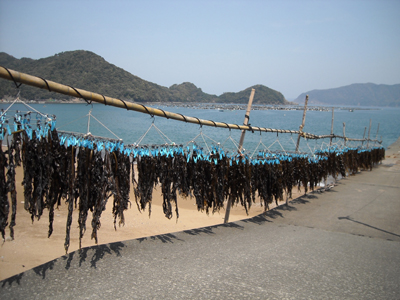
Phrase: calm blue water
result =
(130, 126)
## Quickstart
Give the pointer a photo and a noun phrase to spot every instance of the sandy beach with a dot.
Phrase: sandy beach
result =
(31, 247)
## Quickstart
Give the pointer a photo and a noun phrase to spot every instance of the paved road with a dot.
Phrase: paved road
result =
(340, 244)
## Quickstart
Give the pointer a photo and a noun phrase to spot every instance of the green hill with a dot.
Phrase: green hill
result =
(367, 94)
(86, 70)
(263, 95)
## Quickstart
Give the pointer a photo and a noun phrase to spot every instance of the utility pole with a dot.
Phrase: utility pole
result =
(245, 122)
(302, 124)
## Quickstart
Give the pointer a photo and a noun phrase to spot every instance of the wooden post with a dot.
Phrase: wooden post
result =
(377, 131)
(362, 143)
(369, 131)
(302, 124)
(344, 134)
(245, 122)
(333, 116)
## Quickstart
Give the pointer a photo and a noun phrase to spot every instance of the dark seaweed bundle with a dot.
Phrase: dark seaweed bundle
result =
(120, 167)
(84, 170)
(4, 204)
(13, 157)
(199, 183)
(35, 161)
(278, 185)
(58, 175)
(181, 178)
(146, 168)
(266, 184)
(221, 189)
(166, 177)
(103, 186)
(288, 172)
(70, 171)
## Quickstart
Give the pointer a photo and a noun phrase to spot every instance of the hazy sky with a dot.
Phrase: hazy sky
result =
(220, 46)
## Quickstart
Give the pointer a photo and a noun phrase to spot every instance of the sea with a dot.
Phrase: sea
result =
(139, 128)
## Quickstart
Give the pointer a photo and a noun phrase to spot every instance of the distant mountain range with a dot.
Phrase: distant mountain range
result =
(358, 94)
(86, 70)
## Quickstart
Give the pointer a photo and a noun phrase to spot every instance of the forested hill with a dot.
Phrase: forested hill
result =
(364, 94)
(86, 70)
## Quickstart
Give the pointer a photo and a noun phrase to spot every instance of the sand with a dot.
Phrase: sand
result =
(31, 247)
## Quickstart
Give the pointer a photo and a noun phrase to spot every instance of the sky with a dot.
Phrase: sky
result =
(220, 46)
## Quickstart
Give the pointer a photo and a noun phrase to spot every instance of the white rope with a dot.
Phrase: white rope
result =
(277, 141)
(236, 144)
(202, 135)
(162, 135)
(8, 108)
(143, 136)
(259, 143)
(104, 126)
(311, 151)
(22, 102)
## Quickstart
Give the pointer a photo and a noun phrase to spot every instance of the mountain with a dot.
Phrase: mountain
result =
(364, 94)
(262, 93)
(89, 71)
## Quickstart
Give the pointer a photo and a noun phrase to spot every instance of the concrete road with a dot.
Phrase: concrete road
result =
(340, 244)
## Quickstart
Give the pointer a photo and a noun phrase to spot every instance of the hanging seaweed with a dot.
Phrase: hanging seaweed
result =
(4, 204)
(120, 167)
(166, 176)
(83, 187)
(58, 174)
(103, 185)
(11, 182)
(70, 168)
(146, 167)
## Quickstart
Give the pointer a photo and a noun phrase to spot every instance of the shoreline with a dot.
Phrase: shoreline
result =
(217, 106)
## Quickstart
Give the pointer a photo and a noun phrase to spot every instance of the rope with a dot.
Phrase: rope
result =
(12, 77)
(236, 144)
(87, 101)
(163, 135)
(27, 105)
(159, 132)
(47, 84)
(105, 127)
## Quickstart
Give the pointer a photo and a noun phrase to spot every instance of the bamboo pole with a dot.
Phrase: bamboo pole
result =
(333, 116)
(369, 131)
(344, 134)
(363, 139)
(245, 122)
(90, 96)
(377, 131)
(38, 82)
(302, 124)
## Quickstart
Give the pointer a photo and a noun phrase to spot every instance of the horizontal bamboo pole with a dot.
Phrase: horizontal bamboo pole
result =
(90, 96)
(41, 83)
